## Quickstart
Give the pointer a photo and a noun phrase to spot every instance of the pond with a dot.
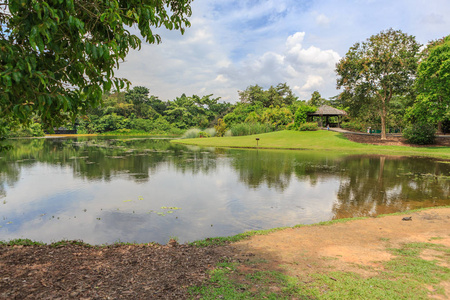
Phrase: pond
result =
(106, 190)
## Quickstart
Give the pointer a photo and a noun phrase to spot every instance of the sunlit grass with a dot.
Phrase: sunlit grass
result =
(406, 276)
(315, 140)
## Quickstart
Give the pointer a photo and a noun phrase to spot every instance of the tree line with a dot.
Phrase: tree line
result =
(58, 60)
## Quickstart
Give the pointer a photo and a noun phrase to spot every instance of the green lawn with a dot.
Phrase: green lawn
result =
(314, 140)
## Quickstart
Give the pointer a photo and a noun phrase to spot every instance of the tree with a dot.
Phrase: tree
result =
(280, 95)
(316, 99)
(433, 82)
(57, 57)
(376, 70)
(137, 95)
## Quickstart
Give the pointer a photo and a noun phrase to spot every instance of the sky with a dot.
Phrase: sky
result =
(233, 44)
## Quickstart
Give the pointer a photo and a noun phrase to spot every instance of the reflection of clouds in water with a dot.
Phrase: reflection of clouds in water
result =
(233, 191)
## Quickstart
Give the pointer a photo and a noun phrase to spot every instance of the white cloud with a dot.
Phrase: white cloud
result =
(313, 82)
(322, 20)
(232, 44)
(295, 65)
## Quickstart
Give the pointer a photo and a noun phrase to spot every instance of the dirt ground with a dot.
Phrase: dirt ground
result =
(115, 272)
(346, 245)
(166, 271)
(392, 140)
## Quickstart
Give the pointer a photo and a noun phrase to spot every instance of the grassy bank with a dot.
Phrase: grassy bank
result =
(314, 140)
(414, 270)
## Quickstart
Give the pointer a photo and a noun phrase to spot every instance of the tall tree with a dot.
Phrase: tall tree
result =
(316, 99)
(376, 70)
(433, 82)
(58, 56)
(280, 95)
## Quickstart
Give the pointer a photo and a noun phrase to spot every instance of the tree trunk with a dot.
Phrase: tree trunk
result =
(383, 121)
(439, 129)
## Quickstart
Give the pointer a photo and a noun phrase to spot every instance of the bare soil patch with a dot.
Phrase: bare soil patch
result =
(358, 246)
(375, 139)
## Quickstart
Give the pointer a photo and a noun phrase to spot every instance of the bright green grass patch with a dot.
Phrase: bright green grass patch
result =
(404, 277)
(315, 140)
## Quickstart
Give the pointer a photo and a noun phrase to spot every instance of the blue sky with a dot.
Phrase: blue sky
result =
(233, 44)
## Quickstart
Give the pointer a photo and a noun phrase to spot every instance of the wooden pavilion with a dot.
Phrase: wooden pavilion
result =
(327, 112)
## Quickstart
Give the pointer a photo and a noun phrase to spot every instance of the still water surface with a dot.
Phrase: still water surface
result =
(103, 190)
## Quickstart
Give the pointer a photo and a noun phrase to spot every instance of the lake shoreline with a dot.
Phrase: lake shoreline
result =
(170, 271)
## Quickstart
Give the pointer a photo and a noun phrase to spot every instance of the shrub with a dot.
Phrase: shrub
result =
(203, 134)
(420, 134)
(35, 129)
(221, 128)
(250, 128)
(353, 126)
(291, 126)
(210, 131)
(302, 113)
(310, 126)
(191, 133)
(142, 124)
(111, 122)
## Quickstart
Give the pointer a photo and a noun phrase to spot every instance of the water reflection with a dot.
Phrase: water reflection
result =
(102, 190)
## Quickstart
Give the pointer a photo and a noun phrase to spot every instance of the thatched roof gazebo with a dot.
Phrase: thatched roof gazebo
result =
(327, 111)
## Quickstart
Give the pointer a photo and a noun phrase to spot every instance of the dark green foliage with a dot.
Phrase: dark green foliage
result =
(58, 57)
(433, 84)
(111, 122)
(353, 125)
(275, 96)
(316, 99)
(420, 134)
(374, 71)
(32, 130)
(302, 113)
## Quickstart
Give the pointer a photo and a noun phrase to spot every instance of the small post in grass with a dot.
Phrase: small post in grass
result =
(257, 139)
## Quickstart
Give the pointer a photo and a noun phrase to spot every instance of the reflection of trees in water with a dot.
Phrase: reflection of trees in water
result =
(102, 159)
(9, 175)
(263, 167)
(368, 185)
(377, 185)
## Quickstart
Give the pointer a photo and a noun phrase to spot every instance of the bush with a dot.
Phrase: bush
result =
(35, 129)
(250, 128)
(210, 131)
(221, 128)
(191, 133)
(203, 134)
(353, 126)
(291, 126)
(420, 134)
(310, 126)
(302, 113)
(143, 125)
(111, 122)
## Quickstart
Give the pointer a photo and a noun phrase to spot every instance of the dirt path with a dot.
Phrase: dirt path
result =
(347, 246)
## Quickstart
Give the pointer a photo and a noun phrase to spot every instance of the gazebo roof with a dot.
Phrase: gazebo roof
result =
(326, 110)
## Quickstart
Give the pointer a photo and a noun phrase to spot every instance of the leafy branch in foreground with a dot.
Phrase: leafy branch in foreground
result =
(58, 57)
